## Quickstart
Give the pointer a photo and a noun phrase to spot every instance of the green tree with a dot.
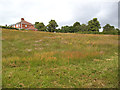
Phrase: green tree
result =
(108, 28)
(83, 28)
(73, 29)
(76, 24)
(36, 23)
(51, 27)
(40, 26)
(76, 27)
(94, 25)
(65, 29)
(58, 30)
(117, 29)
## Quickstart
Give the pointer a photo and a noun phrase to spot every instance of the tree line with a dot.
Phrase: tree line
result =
(92, 27)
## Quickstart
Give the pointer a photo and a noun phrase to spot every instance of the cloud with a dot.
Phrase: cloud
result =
(106, 12)
(65, 12)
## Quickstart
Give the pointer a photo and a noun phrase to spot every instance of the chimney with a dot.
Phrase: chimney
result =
(22, 19)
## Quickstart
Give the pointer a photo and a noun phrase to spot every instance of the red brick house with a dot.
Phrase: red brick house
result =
(24, 25)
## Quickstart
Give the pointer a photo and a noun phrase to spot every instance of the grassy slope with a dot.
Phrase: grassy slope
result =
(42, 60)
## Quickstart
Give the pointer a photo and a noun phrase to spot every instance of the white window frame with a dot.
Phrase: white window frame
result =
(16, 25)
(25, 25)
(19, 25)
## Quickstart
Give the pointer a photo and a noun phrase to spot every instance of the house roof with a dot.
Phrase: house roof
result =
(32, 28)
(24, 22)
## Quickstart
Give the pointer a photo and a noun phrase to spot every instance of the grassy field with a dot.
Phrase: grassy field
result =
(32, 59)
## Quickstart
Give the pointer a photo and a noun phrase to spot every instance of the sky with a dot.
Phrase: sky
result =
(64, 12)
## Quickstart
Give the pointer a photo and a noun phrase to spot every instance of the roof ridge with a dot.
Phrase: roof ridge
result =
(26, 22)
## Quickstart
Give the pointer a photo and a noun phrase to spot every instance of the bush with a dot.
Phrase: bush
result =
(6, 27)
(112, 32)
(22, 29)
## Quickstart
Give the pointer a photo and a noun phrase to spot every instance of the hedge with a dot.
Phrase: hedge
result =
(6, 27)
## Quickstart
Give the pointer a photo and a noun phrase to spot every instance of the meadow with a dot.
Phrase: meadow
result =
(33, 59)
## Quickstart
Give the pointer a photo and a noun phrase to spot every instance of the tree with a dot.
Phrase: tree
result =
(65, 29)
(76, 24)
(58, 30)
(76, 27)
(83, 28)
(108, 28)
(52, 26)
(36, 23)
(40, 26)
(117, 29)
(94, 25)
(73, 29)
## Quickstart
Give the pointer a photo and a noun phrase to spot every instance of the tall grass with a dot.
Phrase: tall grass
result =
(34, 59)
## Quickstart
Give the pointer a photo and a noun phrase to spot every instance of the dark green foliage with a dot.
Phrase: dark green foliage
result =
(94, 25)
(40, 26)
(76, 27)
(76, 24)
(69, 29)
(22, 29)
(111, 32)
(58, 30)
(117, 29)
(36, 23)
(65, 29)
(7, 27)
(92, 28)
(52, 26)
(108, 28)
(83, 27)
(73, 29)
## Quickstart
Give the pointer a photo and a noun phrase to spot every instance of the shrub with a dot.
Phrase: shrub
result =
(112, 32)
(7, 27)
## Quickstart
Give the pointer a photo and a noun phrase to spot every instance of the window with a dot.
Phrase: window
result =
(17, 25)
(25, 25)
